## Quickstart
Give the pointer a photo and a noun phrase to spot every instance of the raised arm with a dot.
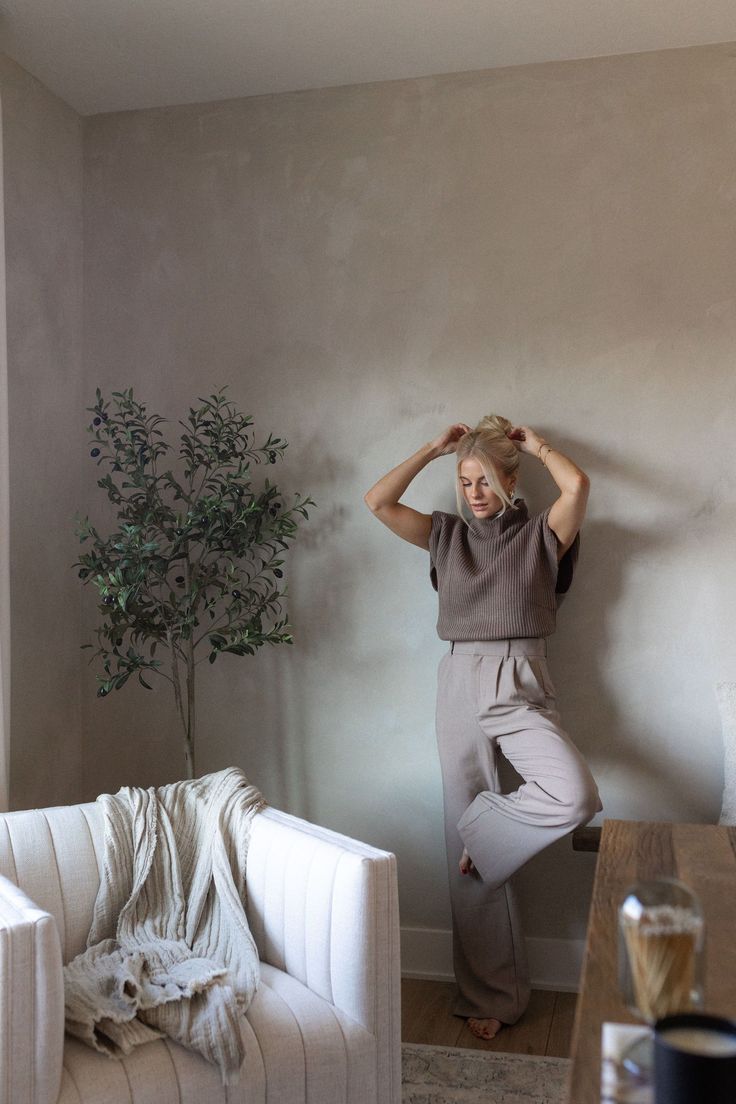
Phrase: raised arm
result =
(567, 513)
(383, 498)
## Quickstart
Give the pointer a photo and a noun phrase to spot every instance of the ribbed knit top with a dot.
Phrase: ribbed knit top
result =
(497, 577)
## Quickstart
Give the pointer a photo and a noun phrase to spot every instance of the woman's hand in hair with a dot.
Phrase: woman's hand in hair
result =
(448, 439)
(526, 440)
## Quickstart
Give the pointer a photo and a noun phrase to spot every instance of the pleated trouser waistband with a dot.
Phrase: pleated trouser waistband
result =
(517, 646)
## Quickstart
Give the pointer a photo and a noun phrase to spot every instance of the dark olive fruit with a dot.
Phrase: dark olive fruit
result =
(94, 452)
(119, 641)
(237, 594)
(102, 692)
(178, 532)
(108, 600)
(272, 457)
(83, 573)
(278, 573)
(180, 580)
(97, 421)
(105, 417)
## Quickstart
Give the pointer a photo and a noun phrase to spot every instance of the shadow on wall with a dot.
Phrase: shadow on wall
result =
(268, 693)
(256, 732)
(318, 550)
(611, 551)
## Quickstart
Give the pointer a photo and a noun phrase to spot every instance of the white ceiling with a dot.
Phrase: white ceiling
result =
(113, 55)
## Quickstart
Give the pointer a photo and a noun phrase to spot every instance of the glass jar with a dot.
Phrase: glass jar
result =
(661, 938)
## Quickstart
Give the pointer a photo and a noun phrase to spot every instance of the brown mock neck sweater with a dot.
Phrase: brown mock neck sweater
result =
(497, 577)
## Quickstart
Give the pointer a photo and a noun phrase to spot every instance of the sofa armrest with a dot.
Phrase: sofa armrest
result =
(31, 1001)
(324, 908)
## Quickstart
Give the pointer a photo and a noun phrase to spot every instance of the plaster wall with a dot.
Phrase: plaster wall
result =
(42, 158)
(364, 265)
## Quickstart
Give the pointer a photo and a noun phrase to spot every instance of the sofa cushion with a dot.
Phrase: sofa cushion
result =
(307, 1051)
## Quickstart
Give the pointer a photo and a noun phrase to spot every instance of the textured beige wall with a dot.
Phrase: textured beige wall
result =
(364, 265)
(4, 518)
(42, 146)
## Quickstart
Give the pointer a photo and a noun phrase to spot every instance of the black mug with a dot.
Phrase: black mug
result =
(694, 1059)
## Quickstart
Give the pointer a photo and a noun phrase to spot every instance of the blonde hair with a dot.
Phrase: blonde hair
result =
(489, 444)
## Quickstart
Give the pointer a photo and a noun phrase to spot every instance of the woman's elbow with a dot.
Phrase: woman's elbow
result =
(371, 502)
(581, 485)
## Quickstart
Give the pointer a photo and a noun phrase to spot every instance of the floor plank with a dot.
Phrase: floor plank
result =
(425, 1013)
(544, 1029)
(560, 1035)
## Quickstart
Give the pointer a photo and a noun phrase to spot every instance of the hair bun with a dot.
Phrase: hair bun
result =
(494, 424)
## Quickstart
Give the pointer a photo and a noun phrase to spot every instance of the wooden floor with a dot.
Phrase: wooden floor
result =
(545, 1028)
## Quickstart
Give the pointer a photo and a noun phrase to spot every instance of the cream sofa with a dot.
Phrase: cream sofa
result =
(323, 1028)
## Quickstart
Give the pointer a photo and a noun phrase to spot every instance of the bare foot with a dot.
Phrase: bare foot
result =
(466, 863)
(485, 1029)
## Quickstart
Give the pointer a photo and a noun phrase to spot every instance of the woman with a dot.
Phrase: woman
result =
(498, 577)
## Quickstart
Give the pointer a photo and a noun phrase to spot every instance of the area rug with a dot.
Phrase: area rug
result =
(453, 1075)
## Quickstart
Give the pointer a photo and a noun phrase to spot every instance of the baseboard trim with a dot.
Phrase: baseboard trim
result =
(553, 963)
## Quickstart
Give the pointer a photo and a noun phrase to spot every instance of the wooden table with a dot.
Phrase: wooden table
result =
(701, 855)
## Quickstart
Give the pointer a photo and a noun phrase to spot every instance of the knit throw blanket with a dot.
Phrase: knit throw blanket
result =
(170, 951)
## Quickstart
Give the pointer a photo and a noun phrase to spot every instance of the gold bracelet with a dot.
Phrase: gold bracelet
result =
(549, 450)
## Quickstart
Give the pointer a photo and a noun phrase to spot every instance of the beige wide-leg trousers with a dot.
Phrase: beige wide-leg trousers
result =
(496, 697)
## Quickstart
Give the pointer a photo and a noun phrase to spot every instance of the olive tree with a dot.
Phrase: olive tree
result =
(193, 567)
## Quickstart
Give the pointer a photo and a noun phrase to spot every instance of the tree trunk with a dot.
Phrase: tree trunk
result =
(191, 714)
(186, 715)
